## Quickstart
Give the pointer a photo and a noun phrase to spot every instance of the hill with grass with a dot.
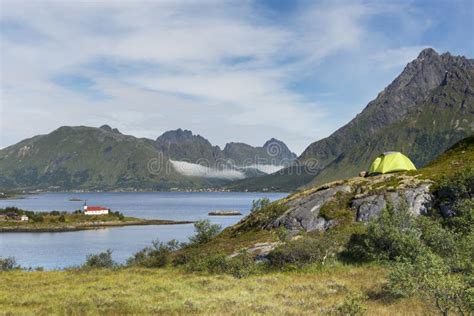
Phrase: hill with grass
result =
(88, 158)
(425, 110)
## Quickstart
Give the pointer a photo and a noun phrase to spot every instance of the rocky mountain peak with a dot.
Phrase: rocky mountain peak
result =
(107, 128)
(272, 141)
(177, 136)
(427, 53)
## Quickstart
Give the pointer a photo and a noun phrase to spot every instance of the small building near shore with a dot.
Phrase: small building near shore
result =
(95, 210)
(24, 218)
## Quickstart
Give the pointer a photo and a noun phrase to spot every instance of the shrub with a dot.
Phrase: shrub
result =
(117, 214)
(37, 218)
(303, 251)
(260, 204)
(239, 266)
(261, 213)
(61, 218)
(8, 264)
(158, 255)
(353, 305)
(205, 231)
(101, 260)
(394, 234)
(428, 277)
(283, 234)
(337, 208)
(212, 263)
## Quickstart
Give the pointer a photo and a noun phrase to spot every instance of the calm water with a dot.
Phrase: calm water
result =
(59, 250)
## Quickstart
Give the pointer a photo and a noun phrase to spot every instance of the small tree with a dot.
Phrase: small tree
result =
(158, 255)
(259, 204)
(353, 305)
(101, 260)
(205, 231)
(8, 264)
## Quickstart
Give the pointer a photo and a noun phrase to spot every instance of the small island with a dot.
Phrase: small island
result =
(224, 213)
(13, 219)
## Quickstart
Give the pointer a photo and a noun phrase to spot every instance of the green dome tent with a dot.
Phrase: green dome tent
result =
(391, 162)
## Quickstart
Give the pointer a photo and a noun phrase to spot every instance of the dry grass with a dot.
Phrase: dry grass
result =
(172, 291)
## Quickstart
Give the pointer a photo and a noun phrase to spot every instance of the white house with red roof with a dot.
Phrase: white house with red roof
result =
(95, 210)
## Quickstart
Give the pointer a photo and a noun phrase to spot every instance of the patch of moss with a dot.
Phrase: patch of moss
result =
(459, 156)
(337, 207)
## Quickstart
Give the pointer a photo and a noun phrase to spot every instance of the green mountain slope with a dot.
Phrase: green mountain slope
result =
(102, 158)
(426, 109)
(88, 158)
(444, 118)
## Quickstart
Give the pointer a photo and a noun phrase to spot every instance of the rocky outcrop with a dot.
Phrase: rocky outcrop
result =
(303, 213)
(364, 197)
(260, 250)
(417, 200)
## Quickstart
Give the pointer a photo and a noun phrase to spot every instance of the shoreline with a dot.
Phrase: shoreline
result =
(89, 226)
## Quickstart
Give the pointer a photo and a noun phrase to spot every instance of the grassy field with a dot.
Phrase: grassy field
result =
(173, 291)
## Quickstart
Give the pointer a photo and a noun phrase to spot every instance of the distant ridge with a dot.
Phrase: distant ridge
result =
(90, 158)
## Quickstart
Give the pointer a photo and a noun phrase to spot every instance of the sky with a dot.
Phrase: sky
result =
(242, 71)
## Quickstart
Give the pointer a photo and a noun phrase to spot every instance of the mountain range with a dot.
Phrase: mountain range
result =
(425, 110)
(90, 158)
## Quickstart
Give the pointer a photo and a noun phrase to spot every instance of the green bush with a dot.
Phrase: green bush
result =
(428, 278)
(353, 305)
(456, 200)
(205, 231)
(283, 234)
(261, 213)
(456, 248)
(304, 250)
(239, 266)
(337, 208)
(101, 260)
(156, 256)
(260, 204)
(394, 234)
(8, 264)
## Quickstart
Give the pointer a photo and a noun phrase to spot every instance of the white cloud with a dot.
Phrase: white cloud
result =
(196, 170)
(218, 68)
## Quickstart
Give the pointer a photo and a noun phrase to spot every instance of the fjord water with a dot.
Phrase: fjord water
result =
(60, 250)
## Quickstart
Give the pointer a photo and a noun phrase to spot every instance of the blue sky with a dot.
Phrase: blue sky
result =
(228, 70)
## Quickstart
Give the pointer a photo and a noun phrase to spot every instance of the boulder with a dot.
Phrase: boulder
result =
(303, 212)
(417, 199)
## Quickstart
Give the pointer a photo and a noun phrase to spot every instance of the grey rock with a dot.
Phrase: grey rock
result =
(303, 213)
(259, 250)
(418, 200)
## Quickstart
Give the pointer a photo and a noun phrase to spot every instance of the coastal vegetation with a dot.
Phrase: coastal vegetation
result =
(57, 221)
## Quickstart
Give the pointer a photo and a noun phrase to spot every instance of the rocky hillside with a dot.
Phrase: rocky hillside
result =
(425, 110)
(342, 204)
(321, 207)
(184, 145)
